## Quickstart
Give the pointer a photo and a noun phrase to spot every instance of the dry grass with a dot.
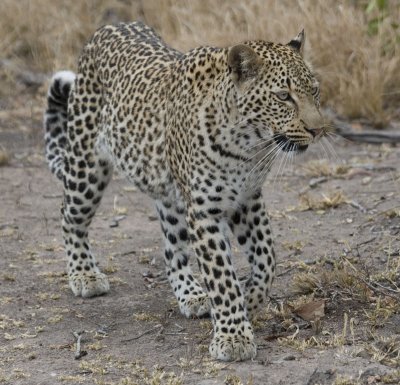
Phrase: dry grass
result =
(343, 380)
(137, 373)
(323, 202)
(323, 168)
(354, 280)
(232, 379)
(358, 65)
(340, 283)
(391, 378)
(385, 350)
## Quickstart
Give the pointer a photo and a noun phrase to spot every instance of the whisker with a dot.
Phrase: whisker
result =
(286, 157)
(268, 166)
(263, 166)
(259, 143)
(264, 148)
(333, 151)
(263, 159)
(320, 154)
(328, 128)
(290, 155)
(278, 170)
(270, 161)
(335, 136)
(327, 156)
(282, 171)
(291, 164)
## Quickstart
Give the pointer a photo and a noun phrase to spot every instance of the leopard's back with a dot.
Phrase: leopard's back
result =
(128, 50)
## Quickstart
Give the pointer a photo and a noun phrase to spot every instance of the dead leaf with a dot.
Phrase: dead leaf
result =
(311, 311)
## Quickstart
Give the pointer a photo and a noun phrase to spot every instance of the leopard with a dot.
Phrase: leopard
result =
(198, 132)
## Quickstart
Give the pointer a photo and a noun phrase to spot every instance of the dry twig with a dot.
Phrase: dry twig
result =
(142, 334)
(374, 286)
(78, 352)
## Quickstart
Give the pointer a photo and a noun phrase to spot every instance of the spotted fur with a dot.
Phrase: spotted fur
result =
(196, 131)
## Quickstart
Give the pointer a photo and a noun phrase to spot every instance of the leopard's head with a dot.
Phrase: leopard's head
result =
(277, 94)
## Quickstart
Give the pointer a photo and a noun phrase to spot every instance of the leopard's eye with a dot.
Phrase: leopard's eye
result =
(283, 95)
(314, 90)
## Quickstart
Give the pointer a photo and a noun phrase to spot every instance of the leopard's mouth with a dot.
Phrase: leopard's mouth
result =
(288, 145)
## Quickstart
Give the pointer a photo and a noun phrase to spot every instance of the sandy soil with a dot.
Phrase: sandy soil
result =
(135, 334)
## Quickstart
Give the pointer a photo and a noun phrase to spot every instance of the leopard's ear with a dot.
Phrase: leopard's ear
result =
(244, 64)
(297, 44)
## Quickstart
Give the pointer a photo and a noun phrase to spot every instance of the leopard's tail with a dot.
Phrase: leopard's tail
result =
(55, 121)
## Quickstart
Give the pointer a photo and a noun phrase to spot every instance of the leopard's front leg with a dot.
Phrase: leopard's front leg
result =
(233, 334)
(251, 226)
(191, 298)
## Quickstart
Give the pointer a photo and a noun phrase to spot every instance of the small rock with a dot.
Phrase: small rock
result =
(290, 357)
(116, 220)
(366, 180)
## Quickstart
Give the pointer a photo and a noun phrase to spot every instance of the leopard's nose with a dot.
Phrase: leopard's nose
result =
(314, 131)
(311, 131)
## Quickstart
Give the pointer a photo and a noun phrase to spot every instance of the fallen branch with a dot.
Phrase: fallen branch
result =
(373, 137)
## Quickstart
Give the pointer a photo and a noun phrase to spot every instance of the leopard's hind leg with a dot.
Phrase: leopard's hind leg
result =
(85, 173)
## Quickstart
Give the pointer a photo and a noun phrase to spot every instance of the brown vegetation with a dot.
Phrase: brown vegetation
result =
(354, 49)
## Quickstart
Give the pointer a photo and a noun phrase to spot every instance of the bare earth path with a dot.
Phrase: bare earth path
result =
(334, 241)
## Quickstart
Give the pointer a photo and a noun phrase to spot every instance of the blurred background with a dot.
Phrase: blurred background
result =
(353, 44)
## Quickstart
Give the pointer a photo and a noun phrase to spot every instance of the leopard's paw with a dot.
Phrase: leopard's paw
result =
(233, 347)
(89, 284)
(195, 305)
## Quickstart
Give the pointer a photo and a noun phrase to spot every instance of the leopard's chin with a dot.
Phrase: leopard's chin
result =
(288, 145)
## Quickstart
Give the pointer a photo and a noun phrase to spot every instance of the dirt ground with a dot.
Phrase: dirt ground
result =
(336, 225)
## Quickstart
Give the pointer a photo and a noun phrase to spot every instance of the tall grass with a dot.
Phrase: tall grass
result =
(359, 66)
